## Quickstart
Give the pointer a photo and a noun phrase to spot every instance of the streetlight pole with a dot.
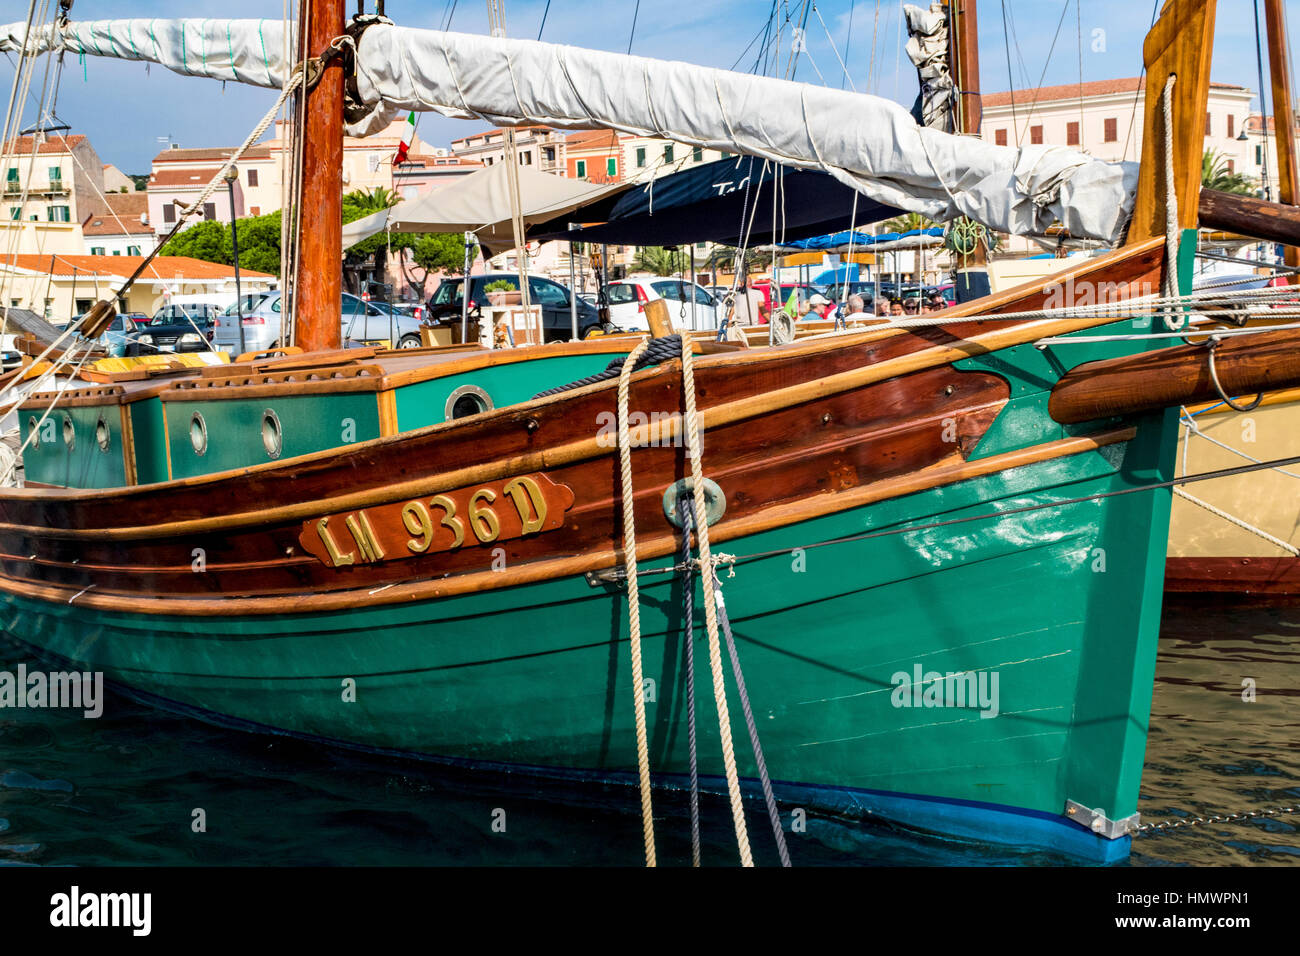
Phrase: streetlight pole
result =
(231, 175)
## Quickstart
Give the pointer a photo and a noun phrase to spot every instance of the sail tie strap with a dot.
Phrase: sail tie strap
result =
(711, 608)
(634, 601)
(1173, 320)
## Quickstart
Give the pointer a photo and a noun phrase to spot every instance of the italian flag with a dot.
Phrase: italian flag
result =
(408, 133)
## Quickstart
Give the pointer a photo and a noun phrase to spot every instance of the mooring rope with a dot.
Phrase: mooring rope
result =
(688, 630)
(711, 608)
(634, 601)
(1171, 205)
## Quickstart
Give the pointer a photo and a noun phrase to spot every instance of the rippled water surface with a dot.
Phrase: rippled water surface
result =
(124, 789)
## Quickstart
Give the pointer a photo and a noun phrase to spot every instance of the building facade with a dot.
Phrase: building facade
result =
(538, 146)
(51, 182)
(119, 226)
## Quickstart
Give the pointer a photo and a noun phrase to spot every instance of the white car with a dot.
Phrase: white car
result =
(627, 299)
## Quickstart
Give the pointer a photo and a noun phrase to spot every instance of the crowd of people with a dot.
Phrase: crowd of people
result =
(818, 308)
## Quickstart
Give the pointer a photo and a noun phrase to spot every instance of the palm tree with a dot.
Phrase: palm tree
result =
(357, 205)
(1215, 174)
(659, 261)
(907, 222)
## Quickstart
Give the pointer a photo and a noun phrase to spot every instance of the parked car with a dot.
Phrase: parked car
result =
(10, 357)
(120, 336)
(179, 328)
(360, 323)
(414, 309)
(445, 304)
(627, 299)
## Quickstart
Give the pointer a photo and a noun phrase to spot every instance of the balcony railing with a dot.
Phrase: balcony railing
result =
(55, 187)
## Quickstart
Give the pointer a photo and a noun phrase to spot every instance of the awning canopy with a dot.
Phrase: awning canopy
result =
(865, 242)
(480, 203)
(737, 201)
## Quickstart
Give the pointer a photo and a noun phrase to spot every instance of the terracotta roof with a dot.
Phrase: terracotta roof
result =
(162, 268)
(126, 207)
(594, 139)
(180, 178)
(56, 143)
(211, 154)
(498, 129)
(1073, 91)
(1254, 125)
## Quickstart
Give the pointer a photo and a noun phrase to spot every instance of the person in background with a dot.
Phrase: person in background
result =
(856, 310)
(764, 313)
(818, 307)
(911, 306)
(895, 308)
(938, 303)
(882, 305)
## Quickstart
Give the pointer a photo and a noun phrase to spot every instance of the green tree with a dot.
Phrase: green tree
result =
(907, 222)
(259, 243)
(659, 261)
(1216, 175)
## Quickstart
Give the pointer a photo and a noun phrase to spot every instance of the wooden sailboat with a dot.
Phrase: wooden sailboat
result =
(908, 513)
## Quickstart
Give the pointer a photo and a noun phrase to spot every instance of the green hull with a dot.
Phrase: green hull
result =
(1062, 604)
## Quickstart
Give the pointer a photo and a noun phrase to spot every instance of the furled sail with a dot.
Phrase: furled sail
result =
(866, 142)
(927, 48)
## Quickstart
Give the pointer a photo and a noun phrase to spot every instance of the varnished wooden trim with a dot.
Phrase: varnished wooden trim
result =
(486, 358)
(950, 471)
(128, 446)
(387, 412)
(167, 441)
(1284, 397)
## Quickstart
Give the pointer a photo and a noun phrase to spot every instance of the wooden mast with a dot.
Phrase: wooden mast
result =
(1283, 112)
(972, 280)
(319, 295)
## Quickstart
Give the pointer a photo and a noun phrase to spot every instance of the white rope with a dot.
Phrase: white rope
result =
(711, 607)
(634, 599)
(1190, 424)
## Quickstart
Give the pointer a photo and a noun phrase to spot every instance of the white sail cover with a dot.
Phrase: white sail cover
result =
(927, 48)
(869, 143)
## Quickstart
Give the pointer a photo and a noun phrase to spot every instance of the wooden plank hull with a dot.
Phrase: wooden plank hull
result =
(406, 563)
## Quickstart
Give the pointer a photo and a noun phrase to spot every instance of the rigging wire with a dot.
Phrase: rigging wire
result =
(1011, 81)
(544, 13)
(848, 41)
(1043, 76)
(635, 12)
(1263, 105)
(1137, 94)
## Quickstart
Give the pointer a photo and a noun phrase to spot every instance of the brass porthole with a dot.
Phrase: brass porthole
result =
(103, 436)
(272, 434)
(467, 400)
(198, 433)
(69, 432)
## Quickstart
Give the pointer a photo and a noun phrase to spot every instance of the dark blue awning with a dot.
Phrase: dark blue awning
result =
(729, 201)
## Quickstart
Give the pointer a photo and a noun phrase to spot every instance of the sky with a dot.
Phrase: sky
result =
(130, 112)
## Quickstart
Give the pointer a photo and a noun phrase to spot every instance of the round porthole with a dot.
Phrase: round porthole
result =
(103, 436)
(69, 433)
(198, 433)
(34, 430)
(272, 437)
(467, 400)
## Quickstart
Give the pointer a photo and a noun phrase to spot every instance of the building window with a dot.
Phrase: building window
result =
(1208, 128)
(96, 250)
(1036, 134)
(209, 211)
(548, 154)
(15, 211)
(1112, 130)
(1232, 166)
(1071, 134)
(169, 212)
(668, 153)
(526, 158)
(1231, 122)
(59, 214)
(1000, 137)
(132, 250)
(117, 252)
(56, 174)
(640, 157)
(252, 177)
(724, 155)
(1259, 157)
(697, 155)
(257, 210)
(582, 169)
(611, 166)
